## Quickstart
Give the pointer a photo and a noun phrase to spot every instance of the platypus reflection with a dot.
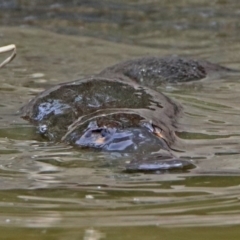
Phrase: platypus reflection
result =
(119, 110)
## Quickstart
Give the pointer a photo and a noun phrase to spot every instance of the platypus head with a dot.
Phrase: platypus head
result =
(125, 132)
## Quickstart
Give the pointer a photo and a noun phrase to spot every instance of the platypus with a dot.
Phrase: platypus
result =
(119, 110)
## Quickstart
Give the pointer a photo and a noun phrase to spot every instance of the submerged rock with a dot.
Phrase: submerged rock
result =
(118, 110)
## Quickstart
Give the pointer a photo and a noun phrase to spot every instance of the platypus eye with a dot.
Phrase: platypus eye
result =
(104, 132)
(154, 129)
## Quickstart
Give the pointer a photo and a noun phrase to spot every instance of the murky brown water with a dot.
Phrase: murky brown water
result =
(51, 191)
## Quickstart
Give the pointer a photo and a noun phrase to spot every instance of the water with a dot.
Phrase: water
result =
(51, 191)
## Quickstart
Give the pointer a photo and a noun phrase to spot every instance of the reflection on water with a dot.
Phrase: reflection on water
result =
(52, 191)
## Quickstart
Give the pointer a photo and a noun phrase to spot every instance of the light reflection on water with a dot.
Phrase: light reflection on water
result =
(47, 186)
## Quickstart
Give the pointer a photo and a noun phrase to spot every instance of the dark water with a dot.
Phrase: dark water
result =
(51, 191)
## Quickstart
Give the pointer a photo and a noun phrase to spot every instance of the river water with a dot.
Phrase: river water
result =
(51, 191)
